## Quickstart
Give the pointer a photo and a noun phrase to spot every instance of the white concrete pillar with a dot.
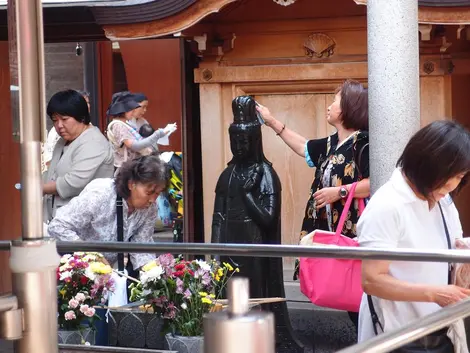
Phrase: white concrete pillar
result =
(393, 65)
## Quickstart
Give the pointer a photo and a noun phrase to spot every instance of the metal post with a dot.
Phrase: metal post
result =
(33, 259)
(393, 65)
(238, 329)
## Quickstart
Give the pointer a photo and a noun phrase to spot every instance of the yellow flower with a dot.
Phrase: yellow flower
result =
(100, 268)
(206, 300)
(217, 278)
(63, 292)
(203, 294)
(220, 272)
(237, 270)
(227, 265)
(212, 295)
(149, 266)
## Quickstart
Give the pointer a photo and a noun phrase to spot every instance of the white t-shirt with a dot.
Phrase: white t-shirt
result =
(396, 218)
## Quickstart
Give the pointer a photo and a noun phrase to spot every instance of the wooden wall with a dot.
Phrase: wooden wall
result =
(153, 67)
(10, 207)
(461, 113)
(268, 61)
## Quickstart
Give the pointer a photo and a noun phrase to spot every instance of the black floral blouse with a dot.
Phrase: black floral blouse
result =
(335, 166)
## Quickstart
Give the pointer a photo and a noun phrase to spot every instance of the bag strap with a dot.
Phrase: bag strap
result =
(120, 230)
(359, 159)
(374, 316)
(346, 208)
(449, 245)
(373, 313)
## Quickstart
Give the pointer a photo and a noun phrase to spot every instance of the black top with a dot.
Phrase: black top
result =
(336, 166)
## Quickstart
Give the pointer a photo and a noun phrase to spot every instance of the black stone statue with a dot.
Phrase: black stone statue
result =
(247, 211)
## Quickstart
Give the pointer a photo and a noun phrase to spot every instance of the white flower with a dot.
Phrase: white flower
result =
(80, 297)
(87, 344)
(89, 258)
(204, 265)
(90, 274)
(65, 275)
(151, 275)
(64, 258)
(184, 306)
(64, 267)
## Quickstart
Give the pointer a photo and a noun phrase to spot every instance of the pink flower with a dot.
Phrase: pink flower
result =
(90, 312)
(73, 303)
(84, 308)
(166, 260)
(80, 297)
(70, 315)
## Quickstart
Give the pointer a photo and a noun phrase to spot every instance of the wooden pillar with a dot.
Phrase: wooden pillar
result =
(153, 67)
(104, 52)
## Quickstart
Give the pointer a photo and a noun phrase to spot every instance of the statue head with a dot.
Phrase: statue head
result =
(245, 131)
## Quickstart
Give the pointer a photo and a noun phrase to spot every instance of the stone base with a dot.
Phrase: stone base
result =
(135, 329)
(68, 348)
(183, 344)
(76, 336)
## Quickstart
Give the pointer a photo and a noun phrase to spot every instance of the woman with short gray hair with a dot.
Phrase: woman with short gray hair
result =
(93, 215)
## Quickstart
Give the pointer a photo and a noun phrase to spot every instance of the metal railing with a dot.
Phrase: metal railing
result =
(392, 340)
(383, 343)
(403, 254)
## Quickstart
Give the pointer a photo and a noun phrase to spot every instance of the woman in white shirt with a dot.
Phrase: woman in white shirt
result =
(413, 210)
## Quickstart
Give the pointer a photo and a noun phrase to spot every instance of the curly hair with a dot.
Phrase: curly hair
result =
(144, 170)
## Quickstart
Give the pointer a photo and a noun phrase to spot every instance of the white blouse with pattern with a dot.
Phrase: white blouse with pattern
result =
(91, 216)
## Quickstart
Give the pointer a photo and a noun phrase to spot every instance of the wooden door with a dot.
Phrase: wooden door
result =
(306, 115)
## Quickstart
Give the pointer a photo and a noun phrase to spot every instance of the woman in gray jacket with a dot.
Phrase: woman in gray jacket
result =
(81, 154)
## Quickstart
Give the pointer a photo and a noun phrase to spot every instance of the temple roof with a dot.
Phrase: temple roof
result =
(444, 3)
(70, 20)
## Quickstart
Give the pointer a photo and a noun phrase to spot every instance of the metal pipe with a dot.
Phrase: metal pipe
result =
(30, 44)
(459, 256)
(389, 341)
(404, 254)
(238, 329)
(33, 260)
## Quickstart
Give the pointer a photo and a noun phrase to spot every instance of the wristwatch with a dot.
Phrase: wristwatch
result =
(343, 192)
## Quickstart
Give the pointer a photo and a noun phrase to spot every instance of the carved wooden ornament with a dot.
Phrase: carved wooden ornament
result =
(319, 45)
(284, 2)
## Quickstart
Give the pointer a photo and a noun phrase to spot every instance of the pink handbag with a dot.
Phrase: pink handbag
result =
(333, 283)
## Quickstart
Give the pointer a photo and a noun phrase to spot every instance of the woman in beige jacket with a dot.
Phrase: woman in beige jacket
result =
(81, 154)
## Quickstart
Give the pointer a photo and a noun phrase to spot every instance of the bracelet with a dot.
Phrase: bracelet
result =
(280, 132)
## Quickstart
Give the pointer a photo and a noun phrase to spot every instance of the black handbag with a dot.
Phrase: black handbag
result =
(435, 342)
(120, 237)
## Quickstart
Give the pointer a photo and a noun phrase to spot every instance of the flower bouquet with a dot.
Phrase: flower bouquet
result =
(181, 292)
(83, 282)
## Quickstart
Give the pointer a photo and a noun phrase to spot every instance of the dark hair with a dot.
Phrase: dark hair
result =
(146, 130)
(354, 105)
(85, 94)
(144, 170)
(140, 97)
(69, 103)
(435, 154)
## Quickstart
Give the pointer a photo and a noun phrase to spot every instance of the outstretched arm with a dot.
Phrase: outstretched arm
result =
(292, 139)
